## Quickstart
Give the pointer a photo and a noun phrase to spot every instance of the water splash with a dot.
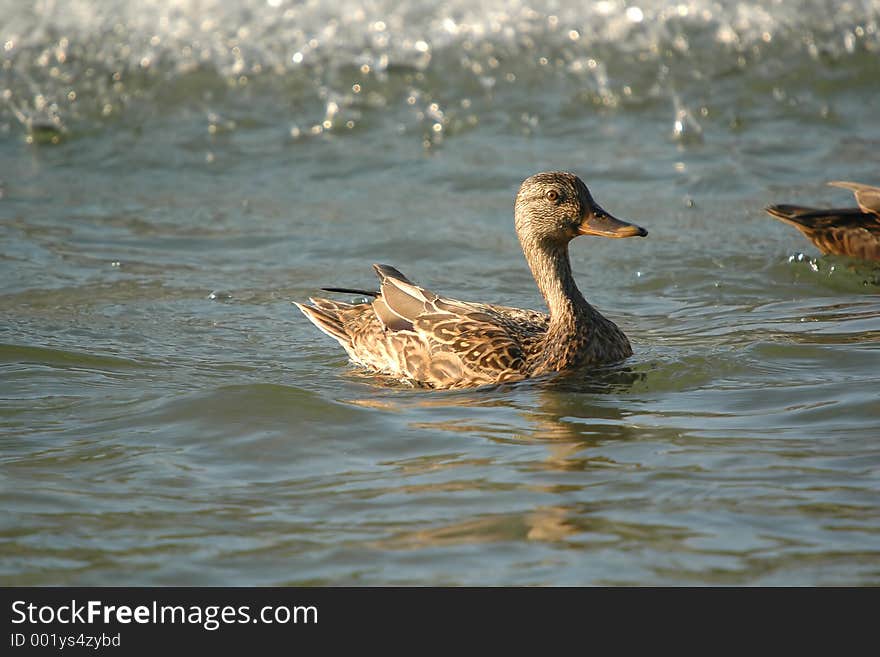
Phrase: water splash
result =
(65, 64)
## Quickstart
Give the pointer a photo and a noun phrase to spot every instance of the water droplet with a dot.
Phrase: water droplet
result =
(635, 14)
(685, 127)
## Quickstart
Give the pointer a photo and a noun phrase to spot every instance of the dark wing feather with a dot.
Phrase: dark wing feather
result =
(351, 290)
(818, 219)
(387, 271)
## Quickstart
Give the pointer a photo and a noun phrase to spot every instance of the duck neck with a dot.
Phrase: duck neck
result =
(551, 267)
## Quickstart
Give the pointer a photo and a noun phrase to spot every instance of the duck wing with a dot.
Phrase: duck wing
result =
(472, 334)
(867, 196)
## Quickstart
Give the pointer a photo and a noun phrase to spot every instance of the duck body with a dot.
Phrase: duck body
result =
(851, 232)
(411, 333)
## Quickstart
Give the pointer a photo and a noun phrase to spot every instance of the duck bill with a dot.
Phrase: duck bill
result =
(599, 222)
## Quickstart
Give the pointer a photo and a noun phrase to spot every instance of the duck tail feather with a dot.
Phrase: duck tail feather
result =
(326, 321)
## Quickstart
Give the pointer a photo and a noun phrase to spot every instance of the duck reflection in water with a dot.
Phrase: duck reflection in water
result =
(567, 415)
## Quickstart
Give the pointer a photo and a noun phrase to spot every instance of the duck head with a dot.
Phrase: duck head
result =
(555, 207)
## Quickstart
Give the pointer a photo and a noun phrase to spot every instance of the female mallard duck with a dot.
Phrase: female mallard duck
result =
(411, 333)
(848, 231)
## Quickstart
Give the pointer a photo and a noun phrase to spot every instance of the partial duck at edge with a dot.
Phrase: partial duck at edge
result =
(843, 231)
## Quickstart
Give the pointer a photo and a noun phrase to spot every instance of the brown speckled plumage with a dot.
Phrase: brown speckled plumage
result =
(411, 333)
(848, 231)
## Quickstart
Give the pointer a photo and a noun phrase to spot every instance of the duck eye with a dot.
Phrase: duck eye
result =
(552, 195)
